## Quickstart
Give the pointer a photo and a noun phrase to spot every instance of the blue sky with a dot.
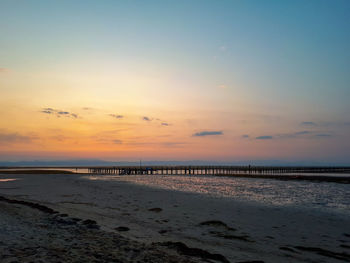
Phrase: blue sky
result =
(273, 64)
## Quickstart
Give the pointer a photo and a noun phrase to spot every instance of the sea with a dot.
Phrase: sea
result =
(320, 196)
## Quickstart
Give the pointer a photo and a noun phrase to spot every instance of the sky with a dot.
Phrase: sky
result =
(175, 80)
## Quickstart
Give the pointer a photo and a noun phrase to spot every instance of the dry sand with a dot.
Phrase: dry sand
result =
(148, 218)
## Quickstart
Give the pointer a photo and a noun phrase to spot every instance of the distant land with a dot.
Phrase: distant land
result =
(97, 162)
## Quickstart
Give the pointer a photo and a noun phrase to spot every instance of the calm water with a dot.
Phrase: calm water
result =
(73, 170)
(332, 197)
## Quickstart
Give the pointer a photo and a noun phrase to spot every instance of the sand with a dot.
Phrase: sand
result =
(151, 218)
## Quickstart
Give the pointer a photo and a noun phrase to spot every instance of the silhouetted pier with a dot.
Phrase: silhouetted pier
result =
(213, 170)
(316, 174)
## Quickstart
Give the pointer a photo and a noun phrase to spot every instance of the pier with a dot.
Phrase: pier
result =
(212, 170)
(319, 174)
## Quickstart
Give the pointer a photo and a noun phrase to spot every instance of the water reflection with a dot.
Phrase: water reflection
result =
(8, 179)
(325, 196)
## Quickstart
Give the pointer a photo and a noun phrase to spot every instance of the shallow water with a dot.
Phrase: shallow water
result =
(8, 179)
(73, 170)
(331, 197)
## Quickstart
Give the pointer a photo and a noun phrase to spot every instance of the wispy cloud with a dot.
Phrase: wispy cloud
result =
(59, 113)
(302, 132)
(336, 124)
(293, 135)
(245, 136)
(299, 134)
(308, 123)
(116, 116)
(59, 137)
(9, 138)
(323, 135)
(264, 137)
(145, 118)
(106, 139)
(150, 143)
(3, 70)
(162, 122)
(63, 113)
(173, 144)
(207, 133)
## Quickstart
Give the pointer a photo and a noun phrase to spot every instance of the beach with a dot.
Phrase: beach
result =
(151, 223)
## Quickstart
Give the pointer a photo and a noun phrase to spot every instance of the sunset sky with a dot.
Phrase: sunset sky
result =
(175, 80)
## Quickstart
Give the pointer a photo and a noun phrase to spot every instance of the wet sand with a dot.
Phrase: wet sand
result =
(158, 219)
(343, 179)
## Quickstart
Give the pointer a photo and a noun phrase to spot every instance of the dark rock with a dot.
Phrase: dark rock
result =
(183, 249)
(213, 223)
(125, 214)
(216, 223)
(288, 249)
(65, 221)
(98, 255)
(89, 222)
(228, 236)
(156, 209)
(163, 231)
(92, 224)
(345, 246)
(122, 228)
(39, 207)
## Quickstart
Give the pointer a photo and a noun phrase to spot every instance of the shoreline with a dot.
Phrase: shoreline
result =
(238, 231)
(343, 179)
